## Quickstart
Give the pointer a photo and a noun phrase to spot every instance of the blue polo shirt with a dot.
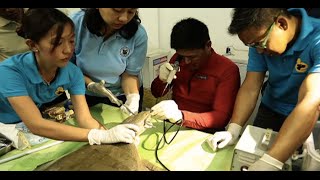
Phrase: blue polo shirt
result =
(286, 72)
(101, 59)
(19, 76)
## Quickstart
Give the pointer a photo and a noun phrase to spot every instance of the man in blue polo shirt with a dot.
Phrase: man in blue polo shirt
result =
(286, 44)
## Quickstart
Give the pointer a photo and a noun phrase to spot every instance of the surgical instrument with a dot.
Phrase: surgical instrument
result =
(172, 74)
(117, 101)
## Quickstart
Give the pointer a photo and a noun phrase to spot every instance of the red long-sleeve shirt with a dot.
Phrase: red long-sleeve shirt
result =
(205, 97)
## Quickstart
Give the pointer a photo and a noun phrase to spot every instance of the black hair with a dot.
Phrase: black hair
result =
(37, 22)
(243, 18)
(13, 14)
(95, 23)
(189, 33)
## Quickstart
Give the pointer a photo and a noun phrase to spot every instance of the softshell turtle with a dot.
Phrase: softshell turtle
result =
(109, 157)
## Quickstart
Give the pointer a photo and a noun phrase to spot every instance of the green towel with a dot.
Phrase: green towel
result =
(188, 150)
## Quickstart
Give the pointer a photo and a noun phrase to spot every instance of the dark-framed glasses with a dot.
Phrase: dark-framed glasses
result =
(263, 44)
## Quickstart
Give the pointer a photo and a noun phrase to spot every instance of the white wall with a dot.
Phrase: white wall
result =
(150, 21)
(158, 23)
(72, 10)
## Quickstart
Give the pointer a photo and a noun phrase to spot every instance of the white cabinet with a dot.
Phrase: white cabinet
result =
(150, 70)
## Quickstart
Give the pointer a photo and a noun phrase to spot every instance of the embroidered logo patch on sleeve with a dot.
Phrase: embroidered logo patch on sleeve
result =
(301, 66)
(59, 91)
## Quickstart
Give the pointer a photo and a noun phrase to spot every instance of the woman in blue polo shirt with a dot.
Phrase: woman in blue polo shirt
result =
(30, 79)
(111, 47)
(11, 43)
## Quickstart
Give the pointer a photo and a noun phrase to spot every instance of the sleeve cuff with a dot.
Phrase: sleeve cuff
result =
(272, 161)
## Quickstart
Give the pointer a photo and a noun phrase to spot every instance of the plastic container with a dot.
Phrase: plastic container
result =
(155, 58)
(7, 147)
(253, 143)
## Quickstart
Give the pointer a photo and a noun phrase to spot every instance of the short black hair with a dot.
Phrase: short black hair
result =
(189, 33)
(37, 22)
(95, 23)
(244, 18)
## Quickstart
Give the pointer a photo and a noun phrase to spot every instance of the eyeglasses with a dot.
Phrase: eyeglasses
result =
(262, 44)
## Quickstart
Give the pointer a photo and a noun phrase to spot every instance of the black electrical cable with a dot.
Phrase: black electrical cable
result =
(179, 122)
(165, 139)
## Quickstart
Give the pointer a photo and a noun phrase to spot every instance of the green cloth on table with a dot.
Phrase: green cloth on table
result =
(188, 150)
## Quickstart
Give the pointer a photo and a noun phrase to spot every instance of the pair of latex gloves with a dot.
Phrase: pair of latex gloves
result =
(121, 133)
(163, 110)
(169, 110)
(224, 138)
(132, 101)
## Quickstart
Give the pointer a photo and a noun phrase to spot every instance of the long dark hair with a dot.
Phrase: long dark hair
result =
(95, 23)
(37, 22)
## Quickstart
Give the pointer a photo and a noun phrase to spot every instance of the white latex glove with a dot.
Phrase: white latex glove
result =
(121, 133)
(99, 88)
(136, 141)
(266, 163)
(223, 138)
(132, 103)
(167, 109)
(164, 72)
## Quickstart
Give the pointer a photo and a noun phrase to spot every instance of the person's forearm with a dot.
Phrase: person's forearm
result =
(157, 87)
(300, 123)
(245, 103)
(87, 80)
(32, 118)
(295, 130)
(57, 131)
(90, 123)
(82, 113)
(205, 120)
(85, 120)
(130, 84)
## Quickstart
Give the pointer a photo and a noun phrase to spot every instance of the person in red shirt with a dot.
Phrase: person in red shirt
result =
(204, 88)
